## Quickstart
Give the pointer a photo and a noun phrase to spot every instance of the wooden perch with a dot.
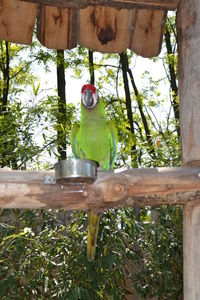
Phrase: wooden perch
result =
(128, 4)
(23, 189)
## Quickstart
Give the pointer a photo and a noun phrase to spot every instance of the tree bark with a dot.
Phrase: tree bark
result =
(61, 118)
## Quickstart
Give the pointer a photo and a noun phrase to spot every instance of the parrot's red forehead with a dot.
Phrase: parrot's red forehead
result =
(88, 87)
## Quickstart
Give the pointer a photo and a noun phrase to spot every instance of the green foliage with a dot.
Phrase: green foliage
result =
(160, 244)
(43, 255)
(41, 259)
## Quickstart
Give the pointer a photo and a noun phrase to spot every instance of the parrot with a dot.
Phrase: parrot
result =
(94, 138)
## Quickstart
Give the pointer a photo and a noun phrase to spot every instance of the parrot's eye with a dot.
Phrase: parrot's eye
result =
(89, 99)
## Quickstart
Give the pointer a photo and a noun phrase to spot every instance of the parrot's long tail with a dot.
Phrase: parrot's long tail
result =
(93, 224)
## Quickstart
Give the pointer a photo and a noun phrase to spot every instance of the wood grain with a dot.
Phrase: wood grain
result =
(17, 21)
(23, 189)
(188, 26)
(112, 31)
(147, 36)
(56, 27)
(101, 28)
(105, 29)
(119, 4)
(191, 246)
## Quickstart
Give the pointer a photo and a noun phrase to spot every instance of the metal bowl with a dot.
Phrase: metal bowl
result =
(75, 171)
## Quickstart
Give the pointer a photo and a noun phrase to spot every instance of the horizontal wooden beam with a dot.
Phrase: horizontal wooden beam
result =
(128, 4)
(23, 189)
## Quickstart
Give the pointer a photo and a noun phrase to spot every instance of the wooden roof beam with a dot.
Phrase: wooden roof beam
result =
(128, 4)
(146, 187)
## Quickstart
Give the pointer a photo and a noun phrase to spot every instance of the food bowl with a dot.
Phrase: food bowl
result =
(75, 171)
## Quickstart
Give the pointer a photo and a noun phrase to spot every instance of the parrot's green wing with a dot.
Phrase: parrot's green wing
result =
(113, 144)
(76, 149)
(74, 140)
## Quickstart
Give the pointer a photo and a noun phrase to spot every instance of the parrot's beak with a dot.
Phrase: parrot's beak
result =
(87, 99)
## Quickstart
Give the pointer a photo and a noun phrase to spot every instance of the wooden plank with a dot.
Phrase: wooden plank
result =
(56, 28)
(147, 33)
(102, 29)
(17, 21)
(188, 26)
(105, 29)
(191, 246)
(23, 189)
(119, 4)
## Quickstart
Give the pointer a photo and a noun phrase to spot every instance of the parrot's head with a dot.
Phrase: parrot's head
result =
(89, 96)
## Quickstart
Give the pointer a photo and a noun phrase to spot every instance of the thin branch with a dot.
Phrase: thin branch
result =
(22, 68)
(38, 152)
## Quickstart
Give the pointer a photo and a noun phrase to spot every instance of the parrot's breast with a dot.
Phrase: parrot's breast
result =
(94, 142)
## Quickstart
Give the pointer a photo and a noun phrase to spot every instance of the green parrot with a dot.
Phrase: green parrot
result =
(94, 139)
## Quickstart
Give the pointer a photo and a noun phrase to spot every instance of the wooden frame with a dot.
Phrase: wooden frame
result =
(128, 4)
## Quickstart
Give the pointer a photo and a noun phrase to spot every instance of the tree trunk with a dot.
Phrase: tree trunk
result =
(172, 78)
(5, 69)
(61, 118)
(128, 107)
(188, 26)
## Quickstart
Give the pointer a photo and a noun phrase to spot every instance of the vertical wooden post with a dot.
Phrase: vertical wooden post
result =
(188, 26)
(191, 245)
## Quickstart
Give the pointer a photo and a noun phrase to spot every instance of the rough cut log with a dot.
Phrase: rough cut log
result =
(56, 27)
(128, 4)
(22, 189)
(146, 39)
(17, 21)
(188, 26)
(191, 245)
